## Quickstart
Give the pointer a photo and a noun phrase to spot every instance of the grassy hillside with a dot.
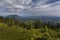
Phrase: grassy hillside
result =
(11, 29)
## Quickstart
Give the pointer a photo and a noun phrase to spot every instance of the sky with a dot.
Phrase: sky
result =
(30, 7)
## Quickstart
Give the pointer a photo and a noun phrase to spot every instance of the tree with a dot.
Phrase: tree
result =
(37, 24)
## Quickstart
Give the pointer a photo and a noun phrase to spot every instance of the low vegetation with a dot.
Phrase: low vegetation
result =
(11, 29)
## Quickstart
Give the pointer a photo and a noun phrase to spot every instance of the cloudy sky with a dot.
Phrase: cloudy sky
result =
(30, 7)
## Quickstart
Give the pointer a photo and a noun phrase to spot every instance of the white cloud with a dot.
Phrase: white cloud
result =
(47, 9)
(30, 8)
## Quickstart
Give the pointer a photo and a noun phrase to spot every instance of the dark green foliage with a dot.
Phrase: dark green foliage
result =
(37, 24)
(38, 39)
(41, 39)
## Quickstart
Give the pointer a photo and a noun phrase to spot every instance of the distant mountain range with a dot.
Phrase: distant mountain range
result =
(43, 18)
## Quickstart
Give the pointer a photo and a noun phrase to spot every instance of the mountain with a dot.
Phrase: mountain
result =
(17, 17)
(14, 17)
(43, 18)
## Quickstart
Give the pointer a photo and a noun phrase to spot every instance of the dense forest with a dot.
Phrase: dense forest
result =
(13, 29)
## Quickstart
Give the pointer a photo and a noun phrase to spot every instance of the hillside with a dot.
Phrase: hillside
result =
(11, 29)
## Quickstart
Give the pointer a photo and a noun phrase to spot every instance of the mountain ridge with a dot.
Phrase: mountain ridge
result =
(33, 17)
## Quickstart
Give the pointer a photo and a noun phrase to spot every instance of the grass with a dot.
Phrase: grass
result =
(19, 33)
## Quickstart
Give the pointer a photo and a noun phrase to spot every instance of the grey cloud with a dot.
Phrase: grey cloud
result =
(30, 7)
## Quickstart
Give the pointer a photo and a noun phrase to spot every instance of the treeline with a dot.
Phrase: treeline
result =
(29, 24)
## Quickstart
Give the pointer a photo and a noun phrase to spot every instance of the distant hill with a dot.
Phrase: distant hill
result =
(14, 17)
(43, 18)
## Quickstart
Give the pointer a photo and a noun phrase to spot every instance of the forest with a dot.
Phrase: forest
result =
(13, 29)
